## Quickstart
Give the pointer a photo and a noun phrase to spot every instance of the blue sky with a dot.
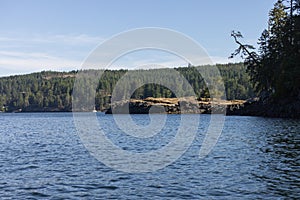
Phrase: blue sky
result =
(59, 35)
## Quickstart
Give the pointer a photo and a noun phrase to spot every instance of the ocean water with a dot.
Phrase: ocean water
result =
(43, 157)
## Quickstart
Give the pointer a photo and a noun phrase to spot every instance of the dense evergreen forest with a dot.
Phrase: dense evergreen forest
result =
(52, 91)
(275, 68)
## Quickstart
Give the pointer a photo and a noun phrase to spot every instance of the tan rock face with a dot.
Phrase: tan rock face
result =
(173, 105)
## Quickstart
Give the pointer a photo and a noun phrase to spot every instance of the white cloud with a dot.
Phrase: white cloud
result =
(224, 60)
(24, 55)
(18, 63)
(81, 39)
(76, 39)
(19, 55)
(143, 58)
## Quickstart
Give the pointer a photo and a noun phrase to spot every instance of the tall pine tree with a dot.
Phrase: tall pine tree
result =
(275, 69)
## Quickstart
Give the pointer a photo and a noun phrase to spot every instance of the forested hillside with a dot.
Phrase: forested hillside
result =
(52, 91)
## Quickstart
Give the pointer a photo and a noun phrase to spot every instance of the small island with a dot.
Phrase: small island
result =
(187, 105)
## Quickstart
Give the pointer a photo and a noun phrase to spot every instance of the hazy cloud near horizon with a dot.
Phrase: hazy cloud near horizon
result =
(21, 55)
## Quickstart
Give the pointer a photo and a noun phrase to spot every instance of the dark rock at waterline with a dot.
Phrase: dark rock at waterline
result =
(250, 107)
(173, 106)
(280, 109)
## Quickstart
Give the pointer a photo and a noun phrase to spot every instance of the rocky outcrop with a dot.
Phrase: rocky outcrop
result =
(250, 107)
(173, 106)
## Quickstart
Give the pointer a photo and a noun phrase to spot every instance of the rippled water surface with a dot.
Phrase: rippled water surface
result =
(41, 156)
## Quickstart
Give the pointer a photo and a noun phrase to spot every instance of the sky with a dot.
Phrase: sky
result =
(58, 35)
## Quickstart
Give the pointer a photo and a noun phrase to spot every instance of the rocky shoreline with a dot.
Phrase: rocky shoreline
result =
(250, 107)
(187, 105)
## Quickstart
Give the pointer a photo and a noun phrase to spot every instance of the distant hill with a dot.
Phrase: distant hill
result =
(52, 91)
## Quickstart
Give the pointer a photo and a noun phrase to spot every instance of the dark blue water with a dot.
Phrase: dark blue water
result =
(41, 156)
